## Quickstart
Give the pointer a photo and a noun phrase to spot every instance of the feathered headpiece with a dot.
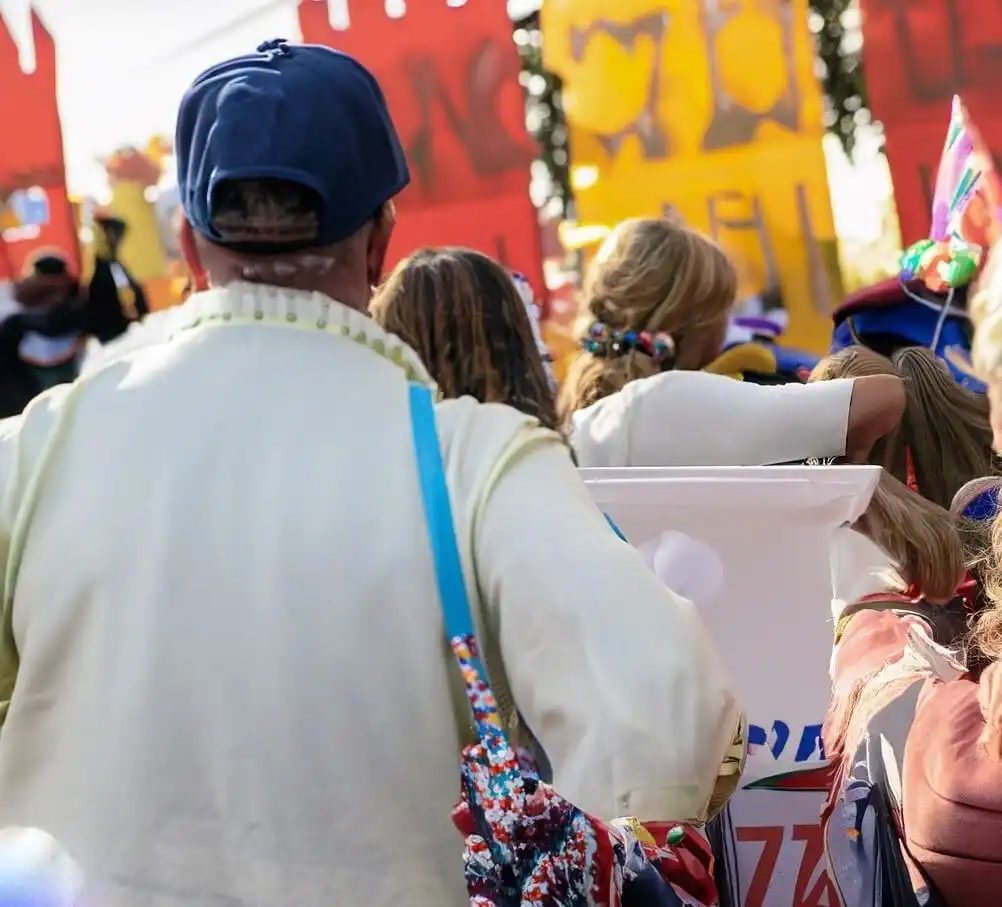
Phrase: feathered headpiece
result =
(965, 211)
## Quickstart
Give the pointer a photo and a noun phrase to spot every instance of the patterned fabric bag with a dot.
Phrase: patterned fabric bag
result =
(524, 843)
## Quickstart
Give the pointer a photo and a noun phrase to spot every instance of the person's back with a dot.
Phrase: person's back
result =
(222, 663)
(293, 541)
(153, 329)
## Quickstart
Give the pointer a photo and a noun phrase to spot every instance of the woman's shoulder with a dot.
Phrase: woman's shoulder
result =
(671, 385)
(480, 441)
(680, 387)
(679, 393)
(152, 330)
(651, 421)
(617, 430)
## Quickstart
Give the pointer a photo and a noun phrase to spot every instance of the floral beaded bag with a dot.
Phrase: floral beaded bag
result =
(524, 844)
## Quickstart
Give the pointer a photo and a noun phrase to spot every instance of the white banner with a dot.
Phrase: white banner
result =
(769, 612)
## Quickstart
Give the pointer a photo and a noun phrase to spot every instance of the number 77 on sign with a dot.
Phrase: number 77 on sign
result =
(812, 887)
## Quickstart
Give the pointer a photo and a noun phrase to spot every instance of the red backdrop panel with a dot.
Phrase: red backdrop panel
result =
(450, 76)
(31, 154)
(917, 55)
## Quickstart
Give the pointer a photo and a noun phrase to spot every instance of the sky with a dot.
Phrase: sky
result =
(123, 70)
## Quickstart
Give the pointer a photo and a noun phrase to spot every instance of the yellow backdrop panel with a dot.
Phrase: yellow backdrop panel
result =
(711, 109)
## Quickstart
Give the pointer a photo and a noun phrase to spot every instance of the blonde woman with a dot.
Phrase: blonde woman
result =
(658, 297)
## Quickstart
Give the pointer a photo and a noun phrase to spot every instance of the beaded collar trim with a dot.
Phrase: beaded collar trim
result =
(249, 303)
(606, 343)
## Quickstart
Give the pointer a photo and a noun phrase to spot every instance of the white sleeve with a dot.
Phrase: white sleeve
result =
(11, 479)
(700, 419)
(613, 673)
(23, 442)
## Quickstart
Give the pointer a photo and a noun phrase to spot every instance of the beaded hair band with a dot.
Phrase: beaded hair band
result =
(606, 343)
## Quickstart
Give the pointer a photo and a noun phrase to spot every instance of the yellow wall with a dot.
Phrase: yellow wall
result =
(717, 116)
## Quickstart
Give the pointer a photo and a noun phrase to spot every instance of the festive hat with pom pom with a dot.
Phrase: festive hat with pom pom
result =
(965, 211)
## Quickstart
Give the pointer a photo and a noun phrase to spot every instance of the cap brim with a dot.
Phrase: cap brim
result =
(977, 499)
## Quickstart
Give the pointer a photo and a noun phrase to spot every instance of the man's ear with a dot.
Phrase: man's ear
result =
(192, 260)
(379, 243)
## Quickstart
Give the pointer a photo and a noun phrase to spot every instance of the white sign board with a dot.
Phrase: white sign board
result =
(770, 618)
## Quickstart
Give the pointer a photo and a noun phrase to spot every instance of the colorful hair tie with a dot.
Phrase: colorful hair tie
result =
(606, 343)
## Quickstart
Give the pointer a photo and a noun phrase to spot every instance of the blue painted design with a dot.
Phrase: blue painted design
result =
(810, 747)
(793, 360)
(984, 506)
(30, 206)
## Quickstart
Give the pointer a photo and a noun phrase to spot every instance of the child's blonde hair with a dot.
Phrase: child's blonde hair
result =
(945, 430)
(651, 274)
(921, 537)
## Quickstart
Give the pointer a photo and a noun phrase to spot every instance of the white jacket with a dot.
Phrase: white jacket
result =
(232, 685)
(154, 328)
(685, 418)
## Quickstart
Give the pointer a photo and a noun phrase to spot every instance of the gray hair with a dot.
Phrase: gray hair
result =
(266, 211)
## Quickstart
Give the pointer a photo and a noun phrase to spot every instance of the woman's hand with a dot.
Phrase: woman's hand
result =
(990, 700)
(875, 410)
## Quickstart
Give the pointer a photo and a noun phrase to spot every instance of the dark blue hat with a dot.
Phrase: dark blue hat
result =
(302, 113)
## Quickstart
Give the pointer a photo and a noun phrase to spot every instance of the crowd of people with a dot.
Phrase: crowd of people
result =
(224, 677)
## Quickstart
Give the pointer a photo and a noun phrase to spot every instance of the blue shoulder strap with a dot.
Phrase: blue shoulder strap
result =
(438, 515)
(615, 528)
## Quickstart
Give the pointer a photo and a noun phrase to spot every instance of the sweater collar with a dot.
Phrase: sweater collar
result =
(280, 307)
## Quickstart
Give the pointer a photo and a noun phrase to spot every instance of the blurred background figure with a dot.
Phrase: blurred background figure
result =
(115, 298)
(53, 322)
(42, 335)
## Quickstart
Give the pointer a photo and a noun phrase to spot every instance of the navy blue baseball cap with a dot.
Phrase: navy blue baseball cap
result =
(297, 112)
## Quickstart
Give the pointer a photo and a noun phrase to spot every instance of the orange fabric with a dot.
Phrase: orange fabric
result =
(458, 107)
(910, 478)
(871, 640)
(32, 171)
(953, 796)
(916, 55)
